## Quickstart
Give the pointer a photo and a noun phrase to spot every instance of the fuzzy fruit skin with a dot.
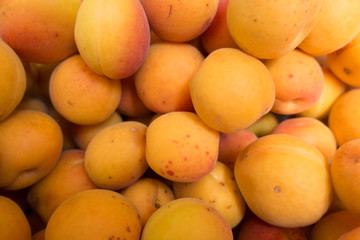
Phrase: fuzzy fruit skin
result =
(117, 42)
(40, 31)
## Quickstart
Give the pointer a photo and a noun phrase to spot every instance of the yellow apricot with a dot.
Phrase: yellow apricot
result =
(270, 29)
(13, 222)
(345, 175)
(12, 81)
(80, 95)
(115, 156)
(284, 180)
(67, 178)
(112, 37)
(94, 214)
(30, 146)
(344, 115)
(179, 21)
(162, 82)
(231, 90)
(187, 218)
(180, 147)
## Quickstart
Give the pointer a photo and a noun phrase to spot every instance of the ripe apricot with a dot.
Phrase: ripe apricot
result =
(94, 214)
(231, 90)
(284, 180)
(344, 169)
(13, 222)
(180, 147)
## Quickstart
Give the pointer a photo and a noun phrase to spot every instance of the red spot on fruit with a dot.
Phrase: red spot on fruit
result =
(197, 146)
(291, 75)
(171, 173)
(188, 135)
(175, 141)
(166, 166)
(207, 153)
(185, 158)
(170, 162)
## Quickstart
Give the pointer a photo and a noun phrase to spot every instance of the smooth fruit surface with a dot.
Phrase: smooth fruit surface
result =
(186, 218)
(95, 214)
(231, 76)
(284, 181)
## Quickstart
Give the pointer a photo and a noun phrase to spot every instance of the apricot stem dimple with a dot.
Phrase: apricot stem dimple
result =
(277, 189)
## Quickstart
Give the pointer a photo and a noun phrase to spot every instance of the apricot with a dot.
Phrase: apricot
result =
(351, 235)
(284, 181)
(220, 190)
(333, 88)
(13, 222)
(230, 76)
(95, 214)
(179, 21)
(118, 40)
(264, 125)
(40, 31)
(344, 170)
(80, 95)
(30, 146)
(148, 195)
(299, 82)
(312, 131)
(217, 35)
(253, 228)
(130, 104)
(115, 157)
(67, 178)
(345, 62)
(187, 218)
(82, 134)
(338, 24)
(333, 225)
(231, 144)
(270, 29)
(162, 82)
(189, 148)
(344, 115)
(32, 103)
(12, 81)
